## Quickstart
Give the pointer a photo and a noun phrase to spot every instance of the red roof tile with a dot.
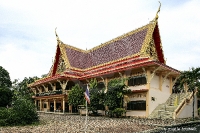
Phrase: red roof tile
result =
(121, 48)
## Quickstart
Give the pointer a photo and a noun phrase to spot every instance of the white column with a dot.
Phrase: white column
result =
(63, 105)
(54, 100)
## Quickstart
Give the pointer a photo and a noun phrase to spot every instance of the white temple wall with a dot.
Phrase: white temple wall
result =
(155, 82)
(166, 86)
(160, 97)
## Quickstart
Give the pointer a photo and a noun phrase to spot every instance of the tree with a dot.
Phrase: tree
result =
(76, 96)
(115, 93)
(190, 78)
(23, 112)
(4, 78)
(44, 75)
(5, 97)
(21, 89)
(96, 96)
(5, 84)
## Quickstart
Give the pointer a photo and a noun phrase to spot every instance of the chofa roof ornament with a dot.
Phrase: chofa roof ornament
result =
(57, 38)
(156, 18)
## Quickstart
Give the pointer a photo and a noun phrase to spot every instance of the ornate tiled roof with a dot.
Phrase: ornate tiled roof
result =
(125, 46)
(138, 48)
(115, 50)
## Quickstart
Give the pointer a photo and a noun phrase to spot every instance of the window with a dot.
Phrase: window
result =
(136, 105)
(45, 105)
(100, 85)
(140, 80)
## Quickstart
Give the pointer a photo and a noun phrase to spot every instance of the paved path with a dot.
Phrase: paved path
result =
(75, 124)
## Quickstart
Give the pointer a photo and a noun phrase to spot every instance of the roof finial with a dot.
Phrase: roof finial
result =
(156, 18)
(57, 35)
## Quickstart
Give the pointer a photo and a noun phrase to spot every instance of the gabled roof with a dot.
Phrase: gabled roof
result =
(137, 48)
(143, 42)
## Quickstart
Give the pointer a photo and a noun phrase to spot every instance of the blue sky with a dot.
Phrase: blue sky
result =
(28, 42)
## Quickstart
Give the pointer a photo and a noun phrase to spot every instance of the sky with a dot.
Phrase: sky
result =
(27, 29)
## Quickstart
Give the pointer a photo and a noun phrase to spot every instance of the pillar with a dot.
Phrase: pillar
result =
(35, 102)
(47, 105)
(106, 84)
(40, 104)
(170, 86)
(148, 79)
(147, 103)
(63, 105)
(126, 81)
(147, 94)
(160, 81)
(54, 101)
(70, 108)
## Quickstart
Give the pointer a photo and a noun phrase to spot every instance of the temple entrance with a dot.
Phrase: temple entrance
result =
(58, 107)
(51, 107)
(66, 107)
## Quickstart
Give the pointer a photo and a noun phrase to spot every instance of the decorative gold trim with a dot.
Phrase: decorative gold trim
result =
(64, 55)
(148, 38)
(156, 18)
(57, 38)
(150, 28)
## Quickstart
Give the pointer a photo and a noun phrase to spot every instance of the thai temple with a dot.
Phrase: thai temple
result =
(137, 55)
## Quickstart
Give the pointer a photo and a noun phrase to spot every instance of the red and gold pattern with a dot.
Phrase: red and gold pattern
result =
(138, 48)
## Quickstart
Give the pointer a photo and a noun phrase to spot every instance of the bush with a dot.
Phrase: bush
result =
(4, 114)
(118, 111)
(23, 112)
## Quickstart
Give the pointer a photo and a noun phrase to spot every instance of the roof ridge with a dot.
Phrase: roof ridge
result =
(110, 41)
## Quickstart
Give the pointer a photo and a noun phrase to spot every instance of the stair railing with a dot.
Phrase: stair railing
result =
(181, 105)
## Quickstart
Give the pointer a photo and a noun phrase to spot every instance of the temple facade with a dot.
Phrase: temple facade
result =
(137, 55)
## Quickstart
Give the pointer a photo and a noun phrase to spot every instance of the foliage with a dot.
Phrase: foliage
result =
(76, 96)
(23, 112)
(4, 78)
(5, 97)
(118, 111)
(21, 89)
(44, 75)
(5, 84)
(96, 97)
(4, 115)
(114, 95)
(191, 78)
(93, 83)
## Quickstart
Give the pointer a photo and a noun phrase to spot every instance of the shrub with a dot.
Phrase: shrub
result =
(4, 114)
(23, 112)
(119, 111)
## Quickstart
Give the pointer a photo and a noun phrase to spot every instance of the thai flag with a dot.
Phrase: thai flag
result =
(87, 95)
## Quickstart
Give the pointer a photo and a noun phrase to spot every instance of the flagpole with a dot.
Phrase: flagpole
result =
(86, 116)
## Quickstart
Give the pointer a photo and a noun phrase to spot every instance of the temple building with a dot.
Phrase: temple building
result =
(137, 54)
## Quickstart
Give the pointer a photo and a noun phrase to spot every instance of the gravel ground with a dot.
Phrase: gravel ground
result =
(76, 124)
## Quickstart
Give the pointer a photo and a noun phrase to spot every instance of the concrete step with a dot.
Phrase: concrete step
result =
(166, 110)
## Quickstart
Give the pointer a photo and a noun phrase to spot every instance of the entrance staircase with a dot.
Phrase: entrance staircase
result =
(172, 106)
